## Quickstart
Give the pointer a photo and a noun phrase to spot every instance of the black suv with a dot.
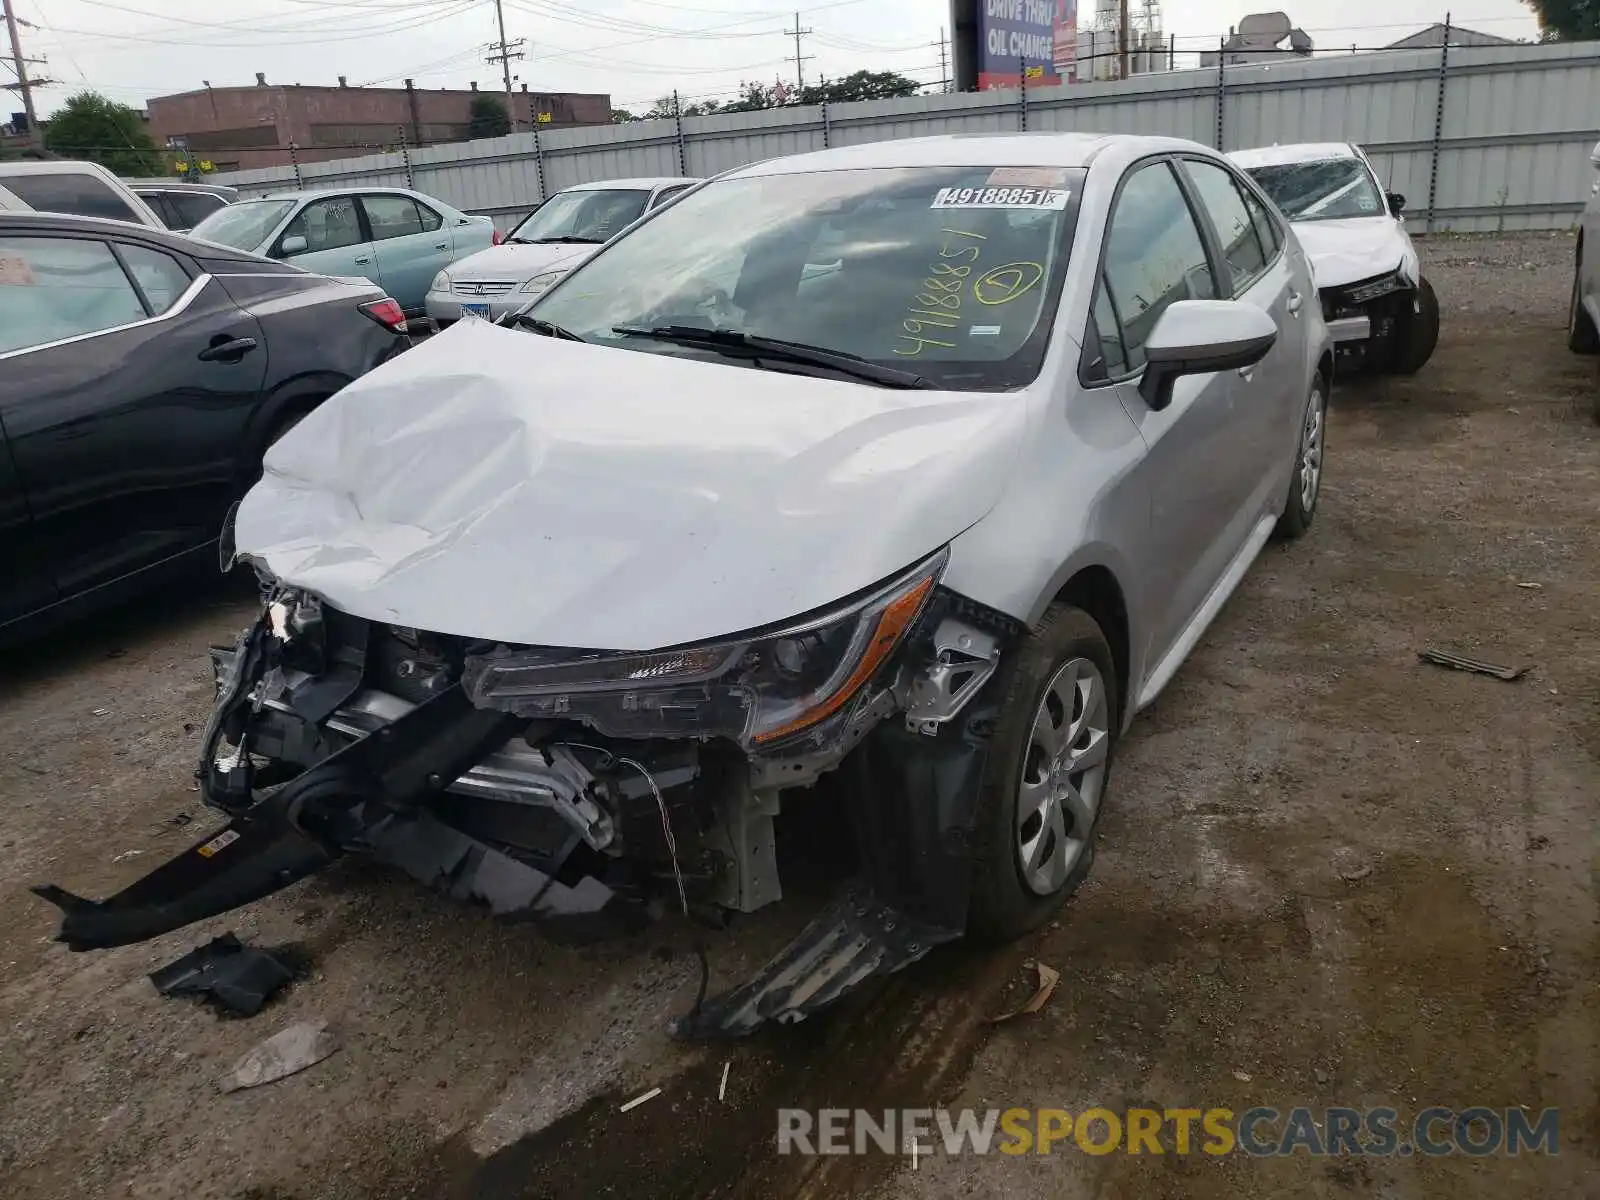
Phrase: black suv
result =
(142, 377)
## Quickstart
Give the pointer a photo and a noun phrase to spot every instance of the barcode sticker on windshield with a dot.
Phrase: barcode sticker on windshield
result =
(1035, 198)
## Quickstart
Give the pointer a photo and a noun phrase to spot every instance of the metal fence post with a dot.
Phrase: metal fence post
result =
(1222, 87)
(538, 161)
(1438, 121)
(405, 156)
(683, 153)
(1022, 94)
(294, 161)
(827, 127)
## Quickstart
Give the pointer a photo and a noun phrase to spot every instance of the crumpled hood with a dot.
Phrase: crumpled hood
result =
(519, 262)
(1354, 248)
(500, 485)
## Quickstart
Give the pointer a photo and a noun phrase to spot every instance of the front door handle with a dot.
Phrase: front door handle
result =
(1296, 302)
(364, 261)
(229, 350)
(1247, 373)
(441, 245)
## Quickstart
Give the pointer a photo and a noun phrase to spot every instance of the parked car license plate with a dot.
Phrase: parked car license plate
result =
(475, 310)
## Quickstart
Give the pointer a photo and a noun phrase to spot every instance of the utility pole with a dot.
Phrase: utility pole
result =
(944, 59)
(506, 51)
(799, 59)
(20, 65)
(1122, 39)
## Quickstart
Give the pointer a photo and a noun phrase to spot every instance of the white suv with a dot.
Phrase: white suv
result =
(82, 189)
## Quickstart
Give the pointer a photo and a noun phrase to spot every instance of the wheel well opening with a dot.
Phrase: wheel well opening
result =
(1096, 591)
(1325, 369)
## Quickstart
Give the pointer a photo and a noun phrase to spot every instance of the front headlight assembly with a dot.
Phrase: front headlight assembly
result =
(441, 282)
(760, 689)
(543, 282)
(1371, 289)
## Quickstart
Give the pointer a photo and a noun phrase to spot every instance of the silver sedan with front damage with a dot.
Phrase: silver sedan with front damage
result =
(916, 467)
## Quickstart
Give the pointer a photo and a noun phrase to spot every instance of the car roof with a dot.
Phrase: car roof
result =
(362, 190)
(65, 223)
(1300, 152)
(974, 149)
(640, 183)
(51, 166)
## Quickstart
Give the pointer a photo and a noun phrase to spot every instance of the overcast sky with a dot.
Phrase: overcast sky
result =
(633, 49)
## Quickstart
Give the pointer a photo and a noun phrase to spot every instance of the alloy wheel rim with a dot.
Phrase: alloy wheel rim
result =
(1311, 453)
(1063, 774)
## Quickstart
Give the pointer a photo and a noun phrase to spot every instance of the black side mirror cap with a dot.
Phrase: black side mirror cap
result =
(1397, 203)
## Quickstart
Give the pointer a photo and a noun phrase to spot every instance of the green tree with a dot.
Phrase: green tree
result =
(1567, 20)
(621, 116)
(89, 126)
(489, 118)
(862, 85)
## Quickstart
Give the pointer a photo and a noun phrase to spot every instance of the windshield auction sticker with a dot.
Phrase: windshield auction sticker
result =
(1034, 198)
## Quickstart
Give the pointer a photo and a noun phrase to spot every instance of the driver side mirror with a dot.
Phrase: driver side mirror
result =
(290, 246)
(1202, 337)
(1594, 155)
(1397, 203)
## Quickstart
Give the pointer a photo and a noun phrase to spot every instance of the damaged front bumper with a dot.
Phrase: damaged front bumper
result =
(591, 792)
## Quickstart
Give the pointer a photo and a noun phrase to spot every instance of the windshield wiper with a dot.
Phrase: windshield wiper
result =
(566, 239)
(779, 350)
(548, 328)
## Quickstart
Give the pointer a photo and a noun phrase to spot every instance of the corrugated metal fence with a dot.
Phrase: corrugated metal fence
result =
(1477, 138)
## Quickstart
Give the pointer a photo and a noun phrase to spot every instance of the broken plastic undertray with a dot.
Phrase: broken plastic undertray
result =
(240, 978)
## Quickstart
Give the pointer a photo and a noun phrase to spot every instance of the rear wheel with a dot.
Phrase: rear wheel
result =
(1305, 483)
(1582, 338)
(1047, 770)
(1416, 332)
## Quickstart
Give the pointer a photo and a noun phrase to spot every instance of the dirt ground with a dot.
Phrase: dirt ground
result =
(1329, 875)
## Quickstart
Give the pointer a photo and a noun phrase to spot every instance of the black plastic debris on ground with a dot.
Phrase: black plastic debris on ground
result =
(238, 978)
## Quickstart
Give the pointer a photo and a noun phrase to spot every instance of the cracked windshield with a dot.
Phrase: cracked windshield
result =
(950, 274)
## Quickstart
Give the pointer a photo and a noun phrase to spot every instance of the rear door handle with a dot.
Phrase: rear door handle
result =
(1296, 302)
(231, 350)
(441, 245)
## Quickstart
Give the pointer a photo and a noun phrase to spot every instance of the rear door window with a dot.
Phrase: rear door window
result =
(391, 216)
(159, 276)
(78, 194)
(156, 202)
(1223, 203)
(55, 288)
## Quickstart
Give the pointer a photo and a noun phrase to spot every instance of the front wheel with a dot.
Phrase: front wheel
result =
(1046, 775)
(1416, 332)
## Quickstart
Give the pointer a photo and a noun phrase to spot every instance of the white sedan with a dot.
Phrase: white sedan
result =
(1381, 310)
(926, 462)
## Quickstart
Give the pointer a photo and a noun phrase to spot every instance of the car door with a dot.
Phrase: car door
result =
(329, 236)
(1272, 394)
(410, 243)
(1155, 255)
(129, 378)
(26, 583)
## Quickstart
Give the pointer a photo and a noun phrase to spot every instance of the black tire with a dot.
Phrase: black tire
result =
(1582, 337)
(1416, 333)
(1297, 512)
(1004, 906)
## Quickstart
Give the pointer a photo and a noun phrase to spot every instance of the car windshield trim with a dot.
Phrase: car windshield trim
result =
(946, 275)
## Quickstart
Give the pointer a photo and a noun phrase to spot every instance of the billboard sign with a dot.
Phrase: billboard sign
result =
(1026, 38)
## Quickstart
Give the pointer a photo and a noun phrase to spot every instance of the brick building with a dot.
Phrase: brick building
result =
(244, 127)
